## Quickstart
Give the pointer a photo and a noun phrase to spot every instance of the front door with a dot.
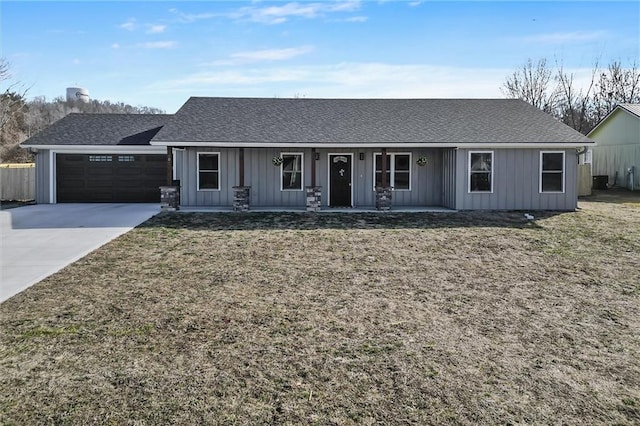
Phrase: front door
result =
(340, 180)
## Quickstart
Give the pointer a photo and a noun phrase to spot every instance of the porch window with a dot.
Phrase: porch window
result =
(209, 171)
(291, 172)
(481, 171)
(552, 171)
(398, 170)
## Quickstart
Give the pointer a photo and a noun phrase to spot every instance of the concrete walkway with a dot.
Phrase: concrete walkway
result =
(37, 241)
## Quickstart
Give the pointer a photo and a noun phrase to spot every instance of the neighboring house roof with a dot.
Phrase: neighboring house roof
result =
(100, 130)
(633, 109)
(264, 121)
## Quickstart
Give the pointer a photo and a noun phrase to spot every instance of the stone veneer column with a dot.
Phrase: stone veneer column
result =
(314, 198)
(383, 197)
(241, 198)
(169, 198)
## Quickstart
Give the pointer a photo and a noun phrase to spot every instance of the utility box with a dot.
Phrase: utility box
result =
(601, 182)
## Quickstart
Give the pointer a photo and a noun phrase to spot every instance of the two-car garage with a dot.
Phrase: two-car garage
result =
(100, 158)
(109, 178)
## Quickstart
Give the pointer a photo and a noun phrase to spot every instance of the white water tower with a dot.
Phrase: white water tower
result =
(77, 94)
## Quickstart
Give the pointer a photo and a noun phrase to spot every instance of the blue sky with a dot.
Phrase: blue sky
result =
(158, 53)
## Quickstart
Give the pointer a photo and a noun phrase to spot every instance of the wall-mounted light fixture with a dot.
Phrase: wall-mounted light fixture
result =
(317, 156)
(362, 155)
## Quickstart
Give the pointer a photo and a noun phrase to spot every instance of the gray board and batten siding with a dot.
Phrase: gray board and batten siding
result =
(264, 178)
(516, 182)
(43, 173)
(444, 181)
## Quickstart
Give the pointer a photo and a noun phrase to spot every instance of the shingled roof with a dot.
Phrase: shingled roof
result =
(100, 130)
(356, 121)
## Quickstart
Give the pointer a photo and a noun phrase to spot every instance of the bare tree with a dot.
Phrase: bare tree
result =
(575, 106)
(533, 83)
(12, 97)
(616, 85)
(12, 108)
(554, 91)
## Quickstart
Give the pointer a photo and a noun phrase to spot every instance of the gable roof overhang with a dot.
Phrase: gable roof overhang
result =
(100, 149)
(631, 109)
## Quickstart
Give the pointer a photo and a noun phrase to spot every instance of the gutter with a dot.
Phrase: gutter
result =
(333, 145)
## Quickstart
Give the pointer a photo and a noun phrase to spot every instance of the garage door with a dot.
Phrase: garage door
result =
(109, 178)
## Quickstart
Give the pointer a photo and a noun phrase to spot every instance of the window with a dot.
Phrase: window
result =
(291, 172)
(208, 171)
(398, 171)
(481, 171)
(552, 171)
(100, 158)
(126, 158)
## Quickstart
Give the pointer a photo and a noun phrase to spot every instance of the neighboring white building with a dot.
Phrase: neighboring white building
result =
(617, 150)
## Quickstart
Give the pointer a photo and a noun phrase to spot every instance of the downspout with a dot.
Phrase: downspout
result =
(583, 151)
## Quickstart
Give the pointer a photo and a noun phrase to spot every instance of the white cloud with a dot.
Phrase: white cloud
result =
(130, 25)
(76, 61)
(357, 19)
(264, 55)
(115, 46)
(351, 80)
(566, 37)
(275, 14)
(415, 3)
(156, 29)
(192, 17)
(281, 13)
(158, 45)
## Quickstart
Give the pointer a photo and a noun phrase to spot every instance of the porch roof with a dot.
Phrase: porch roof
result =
(331, 122)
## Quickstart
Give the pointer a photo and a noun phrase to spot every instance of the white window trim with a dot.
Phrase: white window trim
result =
(198, 171)
(392, 169)
(564, 172)
(493, 156)
(301, 154)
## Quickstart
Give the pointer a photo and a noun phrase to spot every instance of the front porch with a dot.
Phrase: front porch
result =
(313, 179)
(328, 210)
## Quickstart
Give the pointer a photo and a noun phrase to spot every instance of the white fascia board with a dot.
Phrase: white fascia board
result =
(606, 117)
(390, 145)
(99, 149)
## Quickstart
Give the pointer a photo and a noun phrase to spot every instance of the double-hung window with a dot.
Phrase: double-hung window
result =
(481, 171)
(398, 171)
(291, 172)
(208, 171)
(552, 171)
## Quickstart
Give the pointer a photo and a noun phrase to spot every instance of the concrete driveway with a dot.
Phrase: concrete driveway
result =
(37, 241)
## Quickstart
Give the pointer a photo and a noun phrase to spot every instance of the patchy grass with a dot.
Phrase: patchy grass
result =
(336, 319)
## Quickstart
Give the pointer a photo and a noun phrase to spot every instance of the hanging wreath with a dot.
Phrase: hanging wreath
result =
(421, 161)
(276, 160)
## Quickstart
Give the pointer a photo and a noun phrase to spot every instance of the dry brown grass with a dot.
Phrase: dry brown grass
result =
(466, 318)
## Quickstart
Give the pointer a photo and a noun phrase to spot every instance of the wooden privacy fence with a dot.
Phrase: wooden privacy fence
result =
(17, 182)
(584, 180)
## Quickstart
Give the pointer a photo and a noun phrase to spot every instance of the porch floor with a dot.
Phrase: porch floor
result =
(399, 209)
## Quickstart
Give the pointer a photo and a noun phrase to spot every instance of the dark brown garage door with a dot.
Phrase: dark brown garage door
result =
(109, 178)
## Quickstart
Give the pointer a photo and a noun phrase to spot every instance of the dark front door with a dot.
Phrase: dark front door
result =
(340, 180)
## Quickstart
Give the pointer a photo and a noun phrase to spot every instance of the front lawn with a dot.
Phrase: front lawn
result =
(336, 319)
